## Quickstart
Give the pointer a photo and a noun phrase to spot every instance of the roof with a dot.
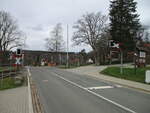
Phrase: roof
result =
(146, 45)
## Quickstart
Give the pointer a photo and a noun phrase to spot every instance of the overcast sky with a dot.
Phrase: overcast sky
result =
(37, 17)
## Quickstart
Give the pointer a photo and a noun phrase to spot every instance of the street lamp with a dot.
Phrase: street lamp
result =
(67, 47)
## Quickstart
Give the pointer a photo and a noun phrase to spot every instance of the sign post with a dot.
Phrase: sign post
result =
(121, 68)
(18, 59)
(113, 44)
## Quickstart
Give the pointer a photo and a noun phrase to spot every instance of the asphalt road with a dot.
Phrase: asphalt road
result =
(65, 92)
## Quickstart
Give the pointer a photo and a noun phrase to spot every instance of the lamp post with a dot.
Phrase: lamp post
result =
(67, 47)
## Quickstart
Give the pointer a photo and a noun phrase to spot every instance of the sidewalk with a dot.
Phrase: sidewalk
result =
(14, 100)
(94, 71)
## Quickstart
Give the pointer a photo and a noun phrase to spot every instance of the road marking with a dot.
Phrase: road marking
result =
(29, 73)
(98, 95)
(104, 87)
(45, 80)
(100, 87)
(118, 86)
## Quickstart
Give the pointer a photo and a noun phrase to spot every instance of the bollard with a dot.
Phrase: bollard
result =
(147, 76)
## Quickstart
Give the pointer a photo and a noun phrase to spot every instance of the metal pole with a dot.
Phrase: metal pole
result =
(67, 47)
(59, 59)
(23, 60)
(121, 68)
(135, 59)
(78, 59)
(10, 69)
(110, 58)
(2, 80)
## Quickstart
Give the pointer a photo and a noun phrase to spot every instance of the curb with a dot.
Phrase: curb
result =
(29, 92)
(97, 76)
(35, 105)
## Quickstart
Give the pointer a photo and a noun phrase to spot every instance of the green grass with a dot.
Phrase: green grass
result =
(9, 83)
(128, 73)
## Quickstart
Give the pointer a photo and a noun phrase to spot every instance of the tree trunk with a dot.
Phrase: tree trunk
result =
(96, 57)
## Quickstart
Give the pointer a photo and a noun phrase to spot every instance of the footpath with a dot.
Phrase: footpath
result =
(14, 100)
(94, 72)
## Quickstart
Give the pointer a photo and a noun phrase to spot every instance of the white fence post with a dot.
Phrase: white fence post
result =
(147, 76)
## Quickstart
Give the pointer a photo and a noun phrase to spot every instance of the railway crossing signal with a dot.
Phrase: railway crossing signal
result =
(18, 52)
(113, 44)
(18, 56)
(18, 61)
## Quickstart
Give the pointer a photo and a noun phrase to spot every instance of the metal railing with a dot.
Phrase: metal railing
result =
(4, 74)
(8, 74)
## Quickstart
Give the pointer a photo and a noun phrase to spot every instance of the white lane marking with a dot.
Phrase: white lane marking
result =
(29, 73)
(100, 87)
(45, 80)
(118, 86)
(98, 95)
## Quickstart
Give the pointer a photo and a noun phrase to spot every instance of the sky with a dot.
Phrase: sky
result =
(38, 17)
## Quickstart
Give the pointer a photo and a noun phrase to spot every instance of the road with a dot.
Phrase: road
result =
(65, 92)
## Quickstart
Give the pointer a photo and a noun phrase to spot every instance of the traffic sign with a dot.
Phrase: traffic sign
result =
(18, 61)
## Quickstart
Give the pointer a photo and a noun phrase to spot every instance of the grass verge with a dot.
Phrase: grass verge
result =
(128, 73)
(8, 83)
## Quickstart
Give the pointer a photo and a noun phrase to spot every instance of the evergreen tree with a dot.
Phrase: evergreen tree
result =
(124, 22)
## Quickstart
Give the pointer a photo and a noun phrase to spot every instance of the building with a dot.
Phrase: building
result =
(49, 58)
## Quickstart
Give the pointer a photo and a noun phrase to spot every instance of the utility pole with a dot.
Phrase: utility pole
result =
(121, 68)
(110, 57)
(67, 47)
(78, 57)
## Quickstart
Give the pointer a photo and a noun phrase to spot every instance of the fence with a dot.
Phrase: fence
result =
(7, 71)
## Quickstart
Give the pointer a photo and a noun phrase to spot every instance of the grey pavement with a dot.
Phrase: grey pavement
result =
(61, 91)
(14, 100)
(94, 72)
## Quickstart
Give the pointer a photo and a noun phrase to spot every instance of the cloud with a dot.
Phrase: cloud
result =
(37, 17)
(37, 28)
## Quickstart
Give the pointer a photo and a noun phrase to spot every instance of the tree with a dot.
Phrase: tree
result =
(103, 46)
(55, 42)
(83, 57)
(10, 35)
(124, 22)
(89, 29)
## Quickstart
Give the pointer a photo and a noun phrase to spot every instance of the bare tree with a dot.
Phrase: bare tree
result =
(10, 35)
(103, 46)
(55, 42)
(89, 30)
